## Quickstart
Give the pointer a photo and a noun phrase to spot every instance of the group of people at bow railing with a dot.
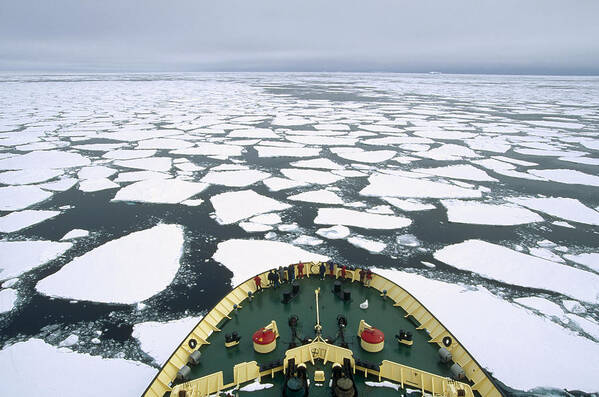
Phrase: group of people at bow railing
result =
(276, 277)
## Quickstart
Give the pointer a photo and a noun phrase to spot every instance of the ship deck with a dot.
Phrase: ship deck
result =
(267, 306)
(390, 308)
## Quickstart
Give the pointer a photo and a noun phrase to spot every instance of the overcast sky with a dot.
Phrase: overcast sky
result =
(464, 36)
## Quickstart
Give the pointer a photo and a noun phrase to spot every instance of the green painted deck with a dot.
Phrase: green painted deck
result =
(267, 306)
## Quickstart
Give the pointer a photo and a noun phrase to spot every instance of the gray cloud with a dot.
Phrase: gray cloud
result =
(534, 36)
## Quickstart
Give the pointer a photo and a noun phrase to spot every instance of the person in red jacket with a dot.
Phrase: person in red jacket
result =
(258, 282)
(343, 271)
(300, 270)
(368, 277)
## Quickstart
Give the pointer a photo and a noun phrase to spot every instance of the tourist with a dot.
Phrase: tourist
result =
(291, 273)
(322, 270)
(258, 282)
(300, 270)
(281, 274)
(368, 277)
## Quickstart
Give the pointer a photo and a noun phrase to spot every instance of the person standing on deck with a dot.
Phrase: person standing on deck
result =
(281, 274)
(322, 270)
(343, 271)
(258, 282)
(300, 270)
(275, 278)
(331, 268)
(291, 273)
(368, 277)
(362, 275)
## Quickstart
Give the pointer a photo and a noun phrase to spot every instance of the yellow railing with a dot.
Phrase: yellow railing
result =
(425, 381)
(318, 350)
(201, 387)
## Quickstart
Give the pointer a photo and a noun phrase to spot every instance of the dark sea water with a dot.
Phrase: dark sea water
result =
(524, 112)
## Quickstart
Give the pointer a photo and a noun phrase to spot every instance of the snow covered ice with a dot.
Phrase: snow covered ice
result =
(18, 257)
(245, 258)
(169, 191)
(228, 208)
(105, 274)
(159, 339)
(503, 264)
(83, 369)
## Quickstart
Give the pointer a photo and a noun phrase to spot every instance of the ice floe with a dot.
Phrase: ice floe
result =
(460, 171)
(96, 172)
(590, 260)
(317, 196)
(126, 270)
(20, 197)
(272, 151)
(75, 233)
(320, 140)
(8, 297)
(159, 339)
(276, 184)
(585, 324)
(542, 305)
(99, 147)
(61, 185)
(135, 176)
(229, 210)
(22, 219)
(545, 253)
(398, 186)
(364, 156)
(475, 212)
(266, 219)
(164, 144)
(253, 133)
(94, 185)
(288, 227)
(375, 247)
(573, 306)
(253, 227)
(28, 176)
(159, 164)
(245, 258)
(44, 159)
(343, 216)
(168, 191)
(18, 257)
(496, 319)
(409, 205)
(500, 263)
(311, 176)
(322, 163)
(560, 207)
(408, 240)
(334, 232)
(235, 178)
(211, 149)
(448, 152)
(571, 177)
(127, 154)
(307, 240)
(127, 378)
(69, 341)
